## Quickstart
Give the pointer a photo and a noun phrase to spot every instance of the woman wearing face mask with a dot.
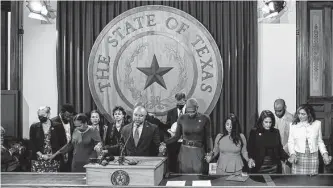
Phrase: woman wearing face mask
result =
(46, 138)
(113, 136)
(197, 140)
(85, 143)
(305, 139)
(96, 123)
(265, 146)
(229, 145)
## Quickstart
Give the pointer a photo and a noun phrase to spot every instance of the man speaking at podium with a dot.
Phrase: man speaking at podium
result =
(141, 138)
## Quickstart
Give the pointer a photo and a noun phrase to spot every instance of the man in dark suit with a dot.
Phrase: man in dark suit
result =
(37, 136)
(141, 138)
(65, 118)
(150, 118)
(172, 117)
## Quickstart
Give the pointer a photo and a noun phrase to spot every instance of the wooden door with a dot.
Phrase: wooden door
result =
(314, 60)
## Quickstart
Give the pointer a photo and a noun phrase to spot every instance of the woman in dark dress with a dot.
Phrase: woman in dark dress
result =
(85, 143)
(265, 147)
(46, 137)
(197, 139)
(113, 135)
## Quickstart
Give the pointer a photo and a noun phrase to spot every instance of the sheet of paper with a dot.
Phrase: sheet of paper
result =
(175, 183)
(201, 183)
(237, 178)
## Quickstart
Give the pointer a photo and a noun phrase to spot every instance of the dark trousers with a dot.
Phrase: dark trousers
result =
(65, 166)
(173, 151)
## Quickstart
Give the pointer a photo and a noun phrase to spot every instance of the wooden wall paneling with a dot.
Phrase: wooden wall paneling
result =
(9, 112)
(302, 53)
(4, 49)
(327, 44)
(16, 57)
(316, 53)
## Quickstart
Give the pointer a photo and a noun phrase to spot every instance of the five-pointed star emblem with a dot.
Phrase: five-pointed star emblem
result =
(155, 73)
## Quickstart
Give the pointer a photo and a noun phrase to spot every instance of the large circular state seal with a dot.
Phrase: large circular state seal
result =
(120, 177)
(150, 53)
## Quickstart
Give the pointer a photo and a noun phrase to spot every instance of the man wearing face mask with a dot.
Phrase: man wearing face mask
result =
(197, 139)
(46, 138)
(172, 117)
(65, 118)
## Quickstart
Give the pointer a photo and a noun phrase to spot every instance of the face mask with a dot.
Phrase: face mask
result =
(180, 106)
(42, 119)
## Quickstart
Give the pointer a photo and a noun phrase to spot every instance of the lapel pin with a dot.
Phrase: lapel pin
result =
(199, 120)
(259, 134)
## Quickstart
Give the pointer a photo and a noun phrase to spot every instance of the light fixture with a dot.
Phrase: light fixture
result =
(41, 10)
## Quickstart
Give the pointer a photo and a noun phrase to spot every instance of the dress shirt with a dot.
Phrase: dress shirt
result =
(67, 128)
(282, 124)
(183, 110)
(303, 131)
(139, 129)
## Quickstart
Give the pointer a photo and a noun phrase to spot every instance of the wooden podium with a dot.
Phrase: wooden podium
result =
(148, 171)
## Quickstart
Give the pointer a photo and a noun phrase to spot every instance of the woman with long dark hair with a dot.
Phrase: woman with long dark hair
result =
(113, 135)
(265, 146)
(96, 123)
(305, 139)
(229, 145)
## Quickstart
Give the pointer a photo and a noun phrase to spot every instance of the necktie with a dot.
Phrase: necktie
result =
(136, 135)
(180, 112)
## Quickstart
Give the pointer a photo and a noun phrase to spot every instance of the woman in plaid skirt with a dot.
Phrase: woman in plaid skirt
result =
(305, 139)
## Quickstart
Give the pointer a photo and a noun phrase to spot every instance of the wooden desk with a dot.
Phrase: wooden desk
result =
(23, 180)
(149, 171)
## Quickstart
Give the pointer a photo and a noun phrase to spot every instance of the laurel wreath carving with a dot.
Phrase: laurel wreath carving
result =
(155, 101)
(129, 81)
(182, 76)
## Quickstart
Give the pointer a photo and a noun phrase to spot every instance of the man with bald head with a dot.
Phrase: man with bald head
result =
(141, 137)
(283, 120)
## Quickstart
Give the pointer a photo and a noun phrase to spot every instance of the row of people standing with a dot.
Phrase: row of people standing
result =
(69, 140)
(76, 139)
(191, 135)
(266, 147)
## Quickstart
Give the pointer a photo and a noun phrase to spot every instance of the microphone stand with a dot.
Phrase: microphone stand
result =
(122, 158)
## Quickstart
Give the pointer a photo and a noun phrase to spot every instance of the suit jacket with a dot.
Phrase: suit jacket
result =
(149, 141)
(172, 117)
(113, 139)
(57, 119)
(257, 147)
(70, 154)
(58, 138)
(153, 120)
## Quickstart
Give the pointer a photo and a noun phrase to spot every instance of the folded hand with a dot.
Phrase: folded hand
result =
(251, 163)
(51, 157)
(45, 157)
(327, 159)
(162, 148)
(208, 158)
(292, 159)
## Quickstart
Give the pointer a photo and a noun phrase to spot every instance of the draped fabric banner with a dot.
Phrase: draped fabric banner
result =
(233, 25)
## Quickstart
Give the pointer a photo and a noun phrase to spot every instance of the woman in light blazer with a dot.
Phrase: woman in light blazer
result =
(305, 139)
